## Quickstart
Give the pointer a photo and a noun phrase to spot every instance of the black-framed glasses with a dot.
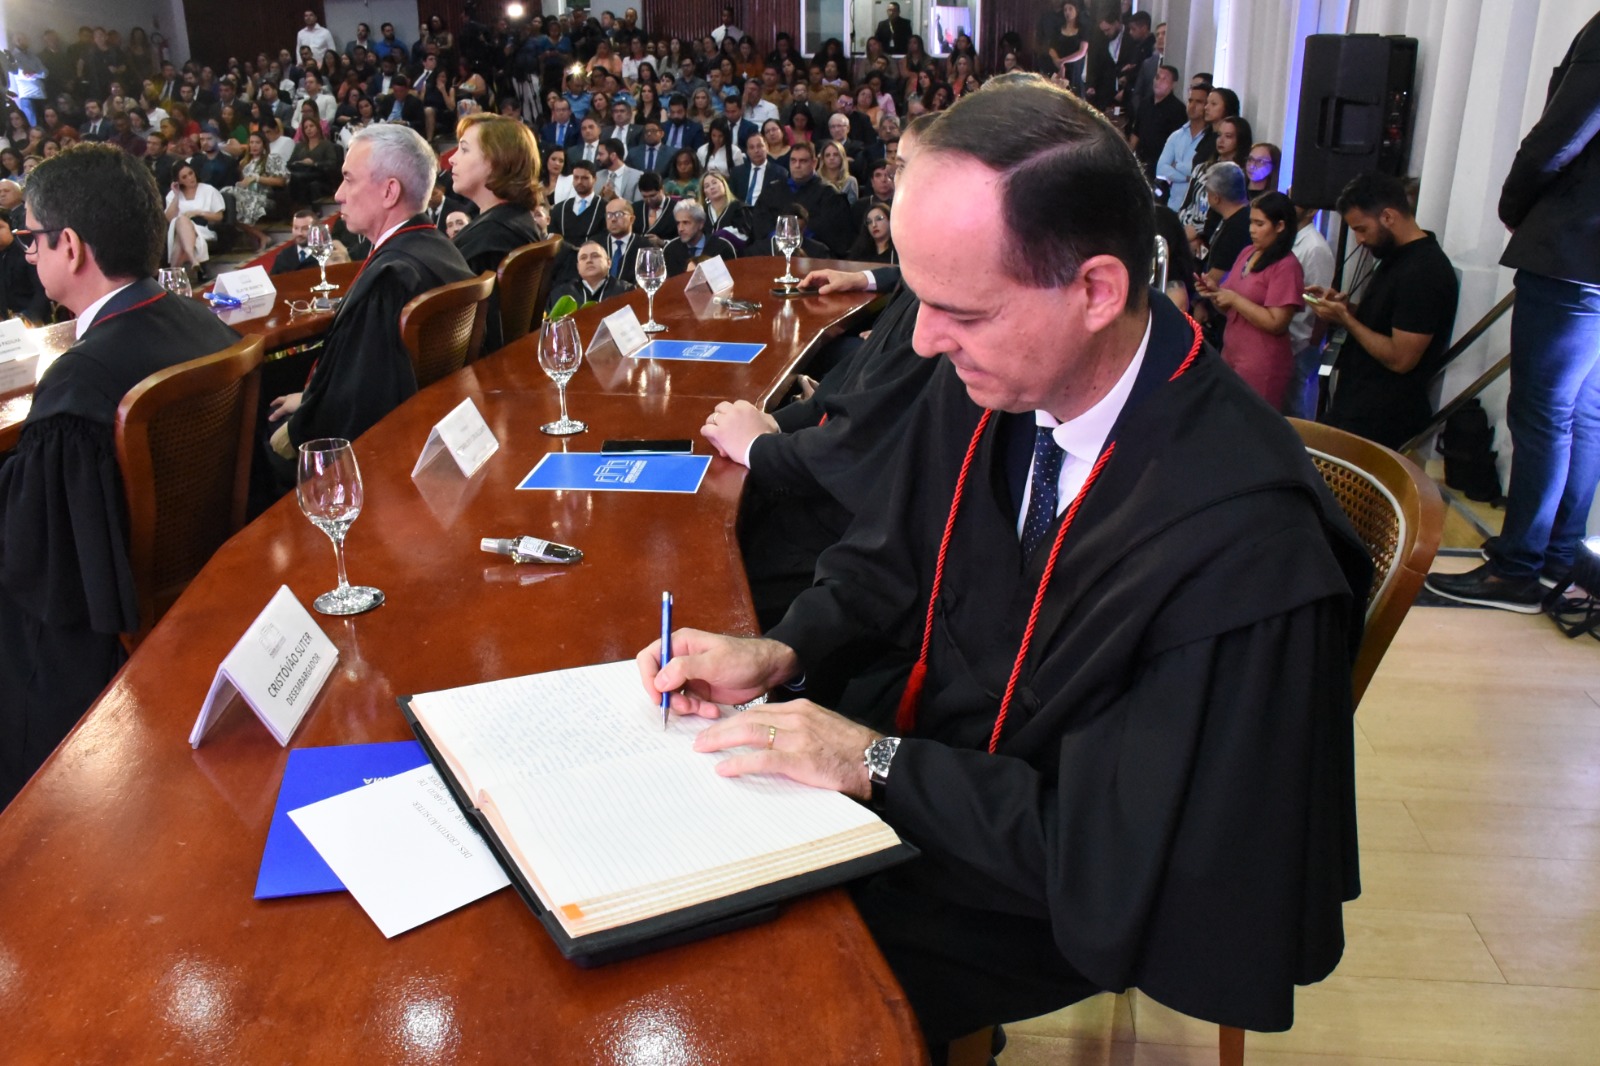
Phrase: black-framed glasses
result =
(28, 238)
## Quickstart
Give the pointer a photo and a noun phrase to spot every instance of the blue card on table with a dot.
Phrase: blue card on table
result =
(290, 866)
(700, 351)
(609, 472)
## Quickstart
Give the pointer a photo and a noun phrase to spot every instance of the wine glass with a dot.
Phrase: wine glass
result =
(329, 489)
(319, 242)
(788, 237)
(175, 280)
(650, 269)
(560, 353)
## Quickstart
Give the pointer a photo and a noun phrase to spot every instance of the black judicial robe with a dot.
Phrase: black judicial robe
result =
(808, 481)
(66, 584)
(484, 243)
(1171, 805)
(364, 372)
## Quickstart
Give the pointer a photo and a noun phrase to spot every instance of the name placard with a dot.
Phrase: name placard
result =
(622, 330)
(18, 372)
(248, 284)
(15, 342)
(712, 274)
(278, 666)
(465, 435)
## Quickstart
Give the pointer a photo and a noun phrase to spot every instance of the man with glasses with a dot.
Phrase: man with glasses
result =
(95, 232)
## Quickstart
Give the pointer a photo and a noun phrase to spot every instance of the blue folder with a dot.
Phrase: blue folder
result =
(700, 351)
(290, 866)
(618, 472)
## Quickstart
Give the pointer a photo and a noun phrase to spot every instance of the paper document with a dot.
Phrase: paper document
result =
(403, 849)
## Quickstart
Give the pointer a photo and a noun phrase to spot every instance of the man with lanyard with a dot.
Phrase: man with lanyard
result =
(364, 372)
(1125, 750)
(95, 234)
(622, 244)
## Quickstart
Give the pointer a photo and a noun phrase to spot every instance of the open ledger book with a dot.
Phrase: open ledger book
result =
(619, 835)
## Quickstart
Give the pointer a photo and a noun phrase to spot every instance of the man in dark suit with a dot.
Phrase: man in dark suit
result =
(560, 131)
(622, 127)
(829, 213)
(653, 210)
(650, 154)
(681, 131)
(596, 279)
(156, 157)
(740, 127)
(401, 105)
(752, 177)
(622, 244)
(581, 216)
(96, 127)
(212, 165)
(382, 82)
(894, 32)
(295, 255)
(693, 242)
(1551, 204)
(881, 183)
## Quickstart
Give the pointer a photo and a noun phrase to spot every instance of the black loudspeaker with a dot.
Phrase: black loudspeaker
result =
(1355, 112)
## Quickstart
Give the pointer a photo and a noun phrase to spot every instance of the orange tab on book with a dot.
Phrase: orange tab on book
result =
(571, 911)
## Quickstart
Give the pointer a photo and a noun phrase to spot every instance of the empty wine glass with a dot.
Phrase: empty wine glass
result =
(329, 489)
(560, 353)
(319, 242)
(788, 237)
(175, 280)
(651, 271)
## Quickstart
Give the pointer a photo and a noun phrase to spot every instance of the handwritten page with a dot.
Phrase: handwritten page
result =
(601, 804)
(403, 848)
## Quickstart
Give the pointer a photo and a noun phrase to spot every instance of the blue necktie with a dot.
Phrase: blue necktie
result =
(755, 185)
(1045, 491)
(561, 133)
(616, 257)
(650, 158)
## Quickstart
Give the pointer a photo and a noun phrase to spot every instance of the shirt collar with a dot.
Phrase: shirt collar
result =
(386, 235)
(86, 316)
(1084, 437)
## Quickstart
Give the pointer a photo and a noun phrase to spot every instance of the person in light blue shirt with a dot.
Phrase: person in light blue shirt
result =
(577, 95)
(1177, 155)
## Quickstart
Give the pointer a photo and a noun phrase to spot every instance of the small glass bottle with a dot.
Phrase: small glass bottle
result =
(531, 550)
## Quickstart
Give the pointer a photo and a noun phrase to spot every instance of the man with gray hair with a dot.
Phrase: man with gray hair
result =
(1228, 191)
(364, 371)
(692, 243)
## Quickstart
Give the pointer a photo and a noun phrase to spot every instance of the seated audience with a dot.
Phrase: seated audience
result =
(94, 235)
(683, 175)
(313, 165)
(874, 244)
(653, 209)
(1259, 295)
(828, 211)
(579, 217)
(262, 178)
(1401, 327)
(364, 372)
(725, 216)
(295, 255)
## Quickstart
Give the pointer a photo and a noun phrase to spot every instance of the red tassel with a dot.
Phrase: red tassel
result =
(905, 718)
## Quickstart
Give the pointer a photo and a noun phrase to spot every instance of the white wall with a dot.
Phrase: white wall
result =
(343, 15)
(65, 16)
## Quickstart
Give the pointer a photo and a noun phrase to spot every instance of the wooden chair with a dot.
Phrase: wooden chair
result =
(443, 328)
(1398, 513)
(526, 277)
(184, 442)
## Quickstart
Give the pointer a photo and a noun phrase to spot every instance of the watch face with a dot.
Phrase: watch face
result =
(879, 754)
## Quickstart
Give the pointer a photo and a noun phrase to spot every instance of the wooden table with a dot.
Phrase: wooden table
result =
(127, 928)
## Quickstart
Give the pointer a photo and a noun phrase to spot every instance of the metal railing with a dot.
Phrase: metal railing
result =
(1472, 391)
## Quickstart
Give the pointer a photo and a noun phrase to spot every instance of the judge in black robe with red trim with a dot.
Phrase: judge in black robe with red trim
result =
(66, 583)
(484, 243)
(1171, 802)
(364, 372)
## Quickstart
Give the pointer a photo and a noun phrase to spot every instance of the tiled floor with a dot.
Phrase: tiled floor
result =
(1477, 935)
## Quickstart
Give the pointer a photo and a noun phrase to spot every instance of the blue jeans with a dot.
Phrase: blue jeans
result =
(1554, 415)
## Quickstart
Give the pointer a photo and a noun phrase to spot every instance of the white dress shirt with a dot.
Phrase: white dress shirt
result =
(85, 317)
(1084, 437)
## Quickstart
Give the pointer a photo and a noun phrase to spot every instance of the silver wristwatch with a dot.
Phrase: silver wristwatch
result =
(877, 757)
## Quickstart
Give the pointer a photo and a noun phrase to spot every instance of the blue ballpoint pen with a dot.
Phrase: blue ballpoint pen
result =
(666, 650)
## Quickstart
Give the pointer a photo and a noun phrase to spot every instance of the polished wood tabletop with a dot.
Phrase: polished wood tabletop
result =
(128, 931)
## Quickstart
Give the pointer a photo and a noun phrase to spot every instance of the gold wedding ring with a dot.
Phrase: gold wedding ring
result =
(772, 736)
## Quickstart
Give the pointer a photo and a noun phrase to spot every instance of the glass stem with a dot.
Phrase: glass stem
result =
(651, 297)
(788, 258)
(338, 554)
(322, 268)
(561, 390)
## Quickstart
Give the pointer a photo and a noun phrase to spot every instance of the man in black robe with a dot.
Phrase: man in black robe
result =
(364, 371)
(95, 234)
(1126, 750)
